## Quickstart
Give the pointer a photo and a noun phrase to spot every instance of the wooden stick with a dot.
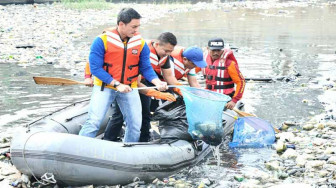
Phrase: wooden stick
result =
(243, 114)
(65, 81)
(55, 81)
(234, 117)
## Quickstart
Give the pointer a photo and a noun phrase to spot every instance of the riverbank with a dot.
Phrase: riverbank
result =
(7, 2)
(59, 36)
(52, 33)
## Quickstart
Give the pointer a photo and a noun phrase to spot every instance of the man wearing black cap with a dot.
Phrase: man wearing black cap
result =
(222, 72)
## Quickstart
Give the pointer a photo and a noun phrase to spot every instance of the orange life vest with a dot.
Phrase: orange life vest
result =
(122, 59)
(155, 60)
(217, 76)
(87, 72)
(179, 69)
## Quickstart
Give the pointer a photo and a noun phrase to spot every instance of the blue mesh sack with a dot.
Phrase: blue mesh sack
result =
(252, 132)
(204, 114)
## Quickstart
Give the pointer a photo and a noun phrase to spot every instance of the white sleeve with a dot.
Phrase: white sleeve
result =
(192, 71)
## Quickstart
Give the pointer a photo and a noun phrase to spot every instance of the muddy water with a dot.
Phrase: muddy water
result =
(22, 101)
(277, 43)
(280, 43)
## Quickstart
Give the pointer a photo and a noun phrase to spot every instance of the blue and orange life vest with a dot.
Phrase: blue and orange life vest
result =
(121, 59)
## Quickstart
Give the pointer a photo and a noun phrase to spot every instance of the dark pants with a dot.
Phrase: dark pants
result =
(153, 105)
(146, 118)
(115, 123)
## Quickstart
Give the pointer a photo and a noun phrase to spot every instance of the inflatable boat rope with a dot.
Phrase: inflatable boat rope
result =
(47, 178)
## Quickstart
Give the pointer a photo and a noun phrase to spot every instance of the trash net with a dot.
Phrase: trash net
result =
(252, 132)
(204, 114)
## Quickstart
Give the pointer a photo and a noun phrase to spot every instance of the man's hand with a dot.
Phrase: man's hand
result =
(178, 91)
(124, 88)
(230, 105)
(166, 96)
(88, 82)
(161, 86)
(160, 95)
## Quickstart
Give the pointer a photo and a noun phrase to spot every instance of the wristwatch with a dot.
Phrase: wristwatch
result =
(116, 84)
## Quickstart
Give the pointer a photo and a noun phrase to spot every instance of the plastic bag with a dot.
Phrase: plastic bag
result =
(204, 114)
(172, 120)
(252, 132)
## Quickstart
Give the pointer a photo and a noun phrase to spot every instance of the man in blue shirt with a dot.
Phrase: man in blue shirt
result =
(116, 58)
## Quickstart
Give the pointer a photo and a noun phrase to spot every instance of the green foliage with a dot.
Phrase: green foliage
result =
(87, 4)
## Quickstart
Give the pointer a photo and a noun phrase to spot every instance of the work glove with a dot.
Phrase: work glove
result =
(177, 90)
(160, 95)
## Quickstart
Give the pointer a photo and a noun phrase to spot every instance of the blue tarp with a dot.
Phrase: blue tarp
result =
(252, 132)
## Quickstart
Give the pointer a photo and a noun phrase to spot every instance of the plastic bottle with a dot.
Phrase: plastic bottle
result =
(290, 146)
(239, 178)
(39, 60)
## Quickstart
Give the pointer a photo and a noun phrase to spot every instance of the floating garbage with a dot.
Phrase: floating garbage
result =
(209, 132)
(252, 132)
(239, 178)
(292, 146)
(25, 46)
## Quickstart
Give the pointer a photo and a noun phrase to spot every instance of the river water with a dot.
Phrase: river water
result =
(295, 45)
(272, 43)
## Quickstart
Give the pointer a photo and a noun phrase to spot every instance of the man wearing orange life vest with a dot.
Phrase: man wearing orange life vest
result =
(222, 72)
(185, 61)
(182, 63)
(160, 60)
(116, 69)
(160, 51)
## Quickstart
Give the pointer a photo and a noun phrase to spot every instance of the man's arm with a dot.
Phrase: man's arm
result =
(145, 67)
(154, 93)
(192, 79)
(238, 79)
(169, 77)
(167, 72)
(96, 59)
(147, 70)
(88, 76)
